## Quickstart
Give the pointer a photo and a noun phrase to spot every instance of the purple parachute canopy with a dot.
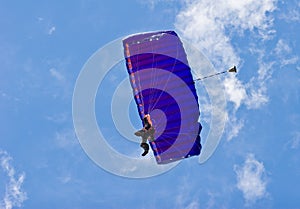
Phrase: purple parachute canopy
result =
(163, 87)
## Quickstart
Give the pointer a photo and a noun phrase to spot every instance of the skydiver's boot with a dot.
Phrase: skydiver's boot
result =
(145, 146)
(140, 133)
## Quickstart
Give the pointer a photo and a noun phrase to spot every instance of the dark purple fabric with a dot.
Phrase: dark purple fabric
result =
(163, 87)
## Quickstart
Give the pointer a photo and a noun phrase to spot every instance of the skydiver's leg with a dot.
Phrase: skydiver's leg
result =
(151, 134)
(144, 144)
(144, 138)
(140, 132)
(145, 135)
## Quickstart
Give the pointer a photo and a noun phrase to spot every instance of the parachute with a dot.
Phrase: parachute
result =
(163, 87)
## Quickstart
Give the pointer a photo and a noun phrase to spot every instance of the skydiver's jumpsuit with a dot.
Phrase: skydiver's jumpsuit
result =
(146, 133)
(149, 130)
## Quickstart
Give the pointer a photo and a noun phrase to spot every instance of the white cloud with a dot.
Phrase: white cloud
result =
(257, 97)
(48, 27)
(292, 15)
(66, 138)
(205, 23)
(186, 198)
(58, 118)
(6, 96)
(210, 25)
(58, 70)
(65, 179)
(152, 3)
(251, 179)
(290, 61)
(14, 195)
(193, 205)
(235, 91)
(234, 127)
(295, 141)
(257, 86)
(282, 47)
(40, 19)
(56, 74)
(51, 30)
(284, 51)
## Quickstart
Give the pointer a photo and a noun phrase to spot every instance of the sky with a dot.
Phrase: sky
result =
(44, 48)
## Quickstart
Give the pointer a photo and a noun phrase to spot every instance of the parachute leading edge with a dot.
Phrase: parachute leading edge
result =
(163, 87)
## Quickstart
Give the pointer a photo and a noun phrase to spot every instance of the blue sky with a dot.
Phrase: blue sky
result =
(43, 48)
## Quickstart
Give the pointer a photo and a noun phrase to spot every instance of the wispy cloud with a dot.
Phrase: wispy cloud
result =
(153, 3)
(235, 91)
(284, 53)
(234, 126)
(58, 70)
(56, 74)
(205, 23)
(65, 179)
(14, 195)
(257, 86)
(58, 118)
(48, 27)
(66, 138)
(6, 96)
(210, 26)
(294, 142)
(251, 179)
(51, 30)
(292, 14)
(186, 198)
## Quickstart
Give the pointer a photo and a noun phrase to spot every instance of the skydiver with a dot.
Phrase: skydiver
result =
(147, 132)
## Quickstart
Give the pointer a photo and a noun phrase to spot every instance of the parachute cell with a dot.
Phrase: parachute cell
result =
(163, 87)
